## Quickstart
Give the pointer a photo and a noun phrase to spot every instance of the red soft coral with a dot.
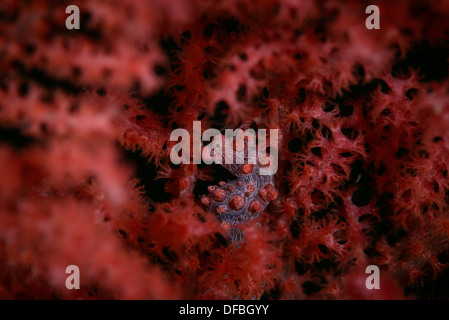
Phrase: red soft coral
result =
(85, 123)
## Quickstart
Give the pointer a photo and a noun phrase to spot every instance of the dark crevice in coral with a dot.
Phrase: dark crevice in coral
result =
(294, 229)
(273, 294)
(346, 110)
(310, 287)
(210, 29)
(395, 236)
(200, 188)
(359, 72)
(231, 25)
(326, 132)
(357, 92)
(359, 177)
(159, 102)
(430, 288)
(430, 60)
(322, 213)
(171, 49)
(328, 106)
(218, 120)
(358, 174)
(295, 145)
(350, 133)
(361, 197)
(220, 241)
(45, 80)
(86, 28)
(300, 267)
(411, 93)
(146, 173)
(316, 151)
(15, 137)
(326, 264)
(209, 71)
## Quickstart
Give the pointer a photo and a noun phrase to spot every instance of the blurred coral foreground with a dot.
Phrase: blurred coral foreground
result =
(86, 176)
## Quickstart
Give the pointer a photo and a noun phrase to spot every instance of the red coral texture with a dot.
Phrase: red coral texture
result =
(86, 177)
